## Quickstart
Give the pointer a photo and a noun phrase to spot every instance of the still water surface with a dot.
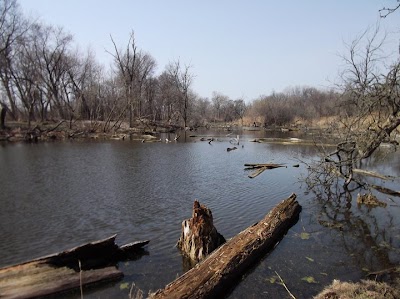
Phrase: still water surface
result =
(55, 196)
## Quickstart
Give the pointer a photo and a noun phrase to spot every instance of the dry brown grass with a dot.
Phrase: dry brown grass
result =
(361, 290)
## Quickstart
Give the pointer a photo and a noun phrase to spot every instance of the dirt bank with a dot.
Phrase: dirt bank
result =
(62, 130)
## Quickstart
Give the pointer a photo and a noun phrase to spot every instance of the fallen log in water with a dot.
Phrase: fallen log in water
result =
(371, 173)
(260, 168)
(219, 272)
(258, 165)
(257, 172)
(385, 190)
(90, 263)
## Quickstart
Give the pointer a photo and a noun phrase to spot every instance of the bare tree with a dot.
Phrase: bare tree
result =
(145, 69)
(26, 79)
(3, 112)
(228, 110)
(385, 11)
(370, 108)
(126, 64)
(51, 53)
(134, 67)
(12, 27)
(218, 100)
(240, 109)
(202, 113)
(150, 96)
(167, 98)
(182, 79)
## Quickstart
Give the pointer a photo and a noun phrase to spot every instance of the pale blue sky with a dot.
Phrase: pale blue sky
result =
(239, 48)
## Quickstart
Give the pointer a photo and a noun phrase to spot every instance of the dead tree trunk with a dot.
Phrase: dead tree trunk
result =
(3, 112)
(221, 270)
(199, 236)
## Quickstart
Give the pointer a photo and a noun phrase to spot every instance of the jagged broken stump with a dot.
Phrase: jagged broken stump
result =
(199, 236)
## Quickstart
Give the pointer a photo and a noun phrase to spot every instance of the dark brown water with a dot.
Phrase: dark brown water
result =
(55, 196)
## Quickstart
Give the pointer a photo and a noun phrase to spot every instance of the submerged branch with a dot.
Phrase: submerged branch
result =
(371, 173)
(284, 285)
(385, 190)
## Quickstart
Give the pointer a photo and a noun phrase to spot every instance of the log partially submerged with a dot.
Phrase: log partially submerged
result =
(80, 266)
(260, 168)
(267, 165)
(257, 172)
(385, 190)
(371, 173)
(219, 272)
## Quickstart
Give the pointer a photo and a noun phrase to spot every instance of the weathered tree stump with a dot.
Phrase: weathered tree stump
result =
(199, 236)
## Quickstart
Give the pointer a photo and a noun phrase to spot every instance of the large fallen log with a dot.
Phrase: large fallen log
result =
(221, 270)
(72, 269)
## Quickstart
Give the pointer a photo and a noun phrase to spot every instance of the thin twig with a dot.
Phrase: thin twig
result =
(284, 285)
(135, 293)
(80, 278)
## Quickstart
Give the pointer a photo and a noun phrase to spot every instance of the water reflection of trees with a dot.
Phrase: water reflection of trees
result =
(370, 235)
(299, 151)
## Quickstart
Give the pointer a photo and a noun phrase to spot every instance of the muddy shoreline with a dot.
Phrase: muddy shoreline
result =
(60, 131)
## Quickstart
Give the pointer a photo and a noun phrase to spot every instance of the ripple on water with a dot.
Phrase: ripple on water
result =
(65, 194)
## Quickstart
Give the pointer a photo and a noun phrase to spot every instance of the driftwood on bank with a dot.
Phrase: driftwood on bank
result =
(260, 168)
(199, 236)
(90, 263)
(220, 271)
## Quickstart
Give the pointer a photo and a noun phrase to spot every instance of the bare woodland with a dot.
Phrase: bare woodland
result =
(43, 78)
